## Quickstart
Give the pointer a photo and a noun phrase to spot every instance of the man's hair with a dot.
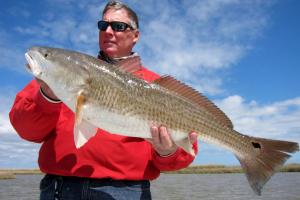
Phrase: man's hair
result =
(117, 5)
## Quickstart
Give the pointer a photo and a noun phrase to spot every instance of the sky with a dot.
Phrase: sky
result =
(242, 54)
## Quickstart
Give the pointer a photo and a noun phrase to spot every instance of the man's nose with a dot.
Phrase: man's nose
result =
(109, 30)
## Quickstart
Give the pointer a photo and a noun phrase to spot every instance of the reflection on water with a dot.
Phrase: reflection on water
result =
(283, 186)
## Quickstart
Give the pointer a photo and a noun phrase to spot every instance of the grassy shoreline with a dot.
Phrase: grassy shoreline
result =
(223, 169)
(11, 173)
(195, 169)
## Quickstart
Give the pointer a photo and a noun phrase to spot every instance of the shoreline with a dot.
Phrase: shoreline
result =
(194, 169)
(223, 169)
(11, 173)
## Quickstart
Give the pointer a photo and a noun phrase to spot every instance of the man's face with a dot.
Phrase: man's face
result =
(117, 44)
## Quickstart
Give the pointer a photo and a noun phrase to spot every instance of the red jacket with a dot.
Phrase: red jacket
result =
(105, 155)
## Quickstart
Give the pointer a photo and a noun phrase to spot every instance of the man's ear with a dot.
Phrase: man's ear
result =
(136, 36)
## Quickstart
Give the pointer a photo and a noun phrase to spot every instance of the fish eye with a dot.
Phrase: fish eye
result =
(45, 55)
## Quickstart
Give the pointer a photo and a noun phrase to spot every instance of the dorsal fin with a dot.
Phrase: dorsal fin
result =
(193, 96)
(130, 65)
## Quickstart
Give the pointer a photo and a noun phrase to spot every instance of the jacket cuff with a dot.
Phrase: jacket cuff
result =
(45, 104)
(168, 158)
(180, 159)
(48, 98)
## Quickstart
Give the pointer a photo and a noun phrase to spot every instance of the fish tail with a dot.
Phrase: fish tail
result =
(268, 157)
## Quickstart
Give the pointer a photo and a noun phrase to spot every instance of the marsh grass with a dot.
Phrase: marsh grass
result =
(7, 175)
(194, 169)
(294, 167)
(222, 169)
(11, 173)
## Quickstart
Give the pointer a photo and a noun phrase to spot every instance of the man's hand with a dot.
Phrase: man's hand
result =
(163, 143)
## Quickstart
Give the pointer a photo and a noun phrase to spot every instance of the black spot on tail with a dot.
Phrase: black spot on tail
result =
(256, 145)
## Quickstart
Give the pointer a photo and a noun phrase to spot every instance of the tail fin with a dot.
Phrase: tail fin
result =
(269, 156)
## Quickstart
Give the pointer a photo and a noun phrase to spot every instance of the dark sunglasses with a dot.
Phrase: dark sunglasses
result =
(116, 26)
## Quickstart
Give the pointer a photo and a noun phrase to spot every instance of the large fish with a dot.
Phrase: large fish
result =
(109, 96)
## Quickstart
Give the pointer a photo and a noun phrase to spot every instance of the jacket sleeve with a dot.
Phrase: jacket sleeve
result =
(180, 159)
(32, 116)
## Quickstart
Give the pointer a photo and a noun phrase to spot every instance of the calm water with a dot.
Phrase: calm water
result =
(283, 186)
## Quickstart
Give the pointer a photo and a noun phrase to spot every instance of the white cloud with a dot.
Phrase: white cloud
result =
(5, 126)
(7, 98)
(278, 120)
(17, 153)
(193, 39)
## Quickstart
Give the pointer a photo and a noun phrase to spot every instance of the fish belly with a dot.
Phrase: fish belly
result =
(114, 122)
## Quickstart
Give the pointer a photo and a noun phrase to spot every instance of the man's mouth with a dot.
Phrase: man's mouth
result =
(109, 42)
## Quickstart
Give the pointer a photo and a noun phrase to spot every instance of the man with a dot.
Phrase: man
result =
(108, 166)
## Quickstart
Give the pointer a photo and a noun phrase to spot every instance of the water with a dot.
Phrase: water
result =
(24, 187)
(283, 186)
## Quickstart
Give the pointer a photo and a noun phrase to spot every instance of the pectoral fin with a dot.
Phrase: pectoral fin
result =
(83, 130)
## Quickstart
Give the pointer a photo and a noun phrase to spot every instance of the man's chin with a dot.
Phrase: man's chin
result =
(110, 52)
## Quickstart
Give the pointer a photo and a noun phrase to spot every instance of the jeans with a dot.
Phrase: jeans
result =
(54, 187)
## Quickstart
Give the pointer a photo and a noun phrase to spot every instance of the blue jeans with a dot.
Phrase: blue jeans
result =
(74, 188)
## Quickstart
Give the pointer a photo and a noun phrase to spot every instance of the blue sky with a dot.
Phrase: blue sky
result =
(243, 55)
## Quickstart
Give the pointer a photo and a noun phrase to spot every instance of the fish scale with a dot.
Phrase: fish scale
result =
(160, 111)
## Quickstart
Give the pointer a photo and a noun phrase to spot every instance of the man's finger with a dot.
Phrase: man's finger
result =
(155, 135)
(193, 137)
(165, 138)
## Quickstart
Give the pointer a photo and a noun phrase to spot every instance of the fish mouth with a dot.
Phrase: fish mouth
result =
(29, 61)
(32, 64)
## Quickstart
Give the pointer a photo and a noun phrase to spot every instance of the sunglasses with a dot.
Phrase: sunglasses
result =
(116, 26)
